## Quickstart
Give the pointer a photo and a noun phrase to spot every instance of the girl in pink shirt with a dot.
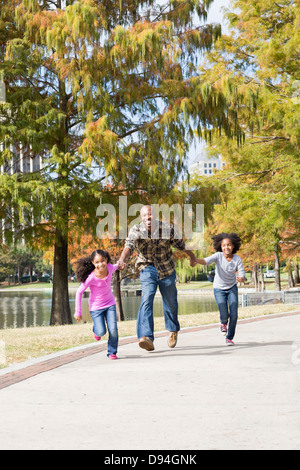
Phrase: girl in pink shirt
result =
(96, 272)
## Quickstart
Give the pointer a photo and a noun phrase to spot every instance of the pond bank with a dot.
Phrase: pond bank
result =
(181, 290)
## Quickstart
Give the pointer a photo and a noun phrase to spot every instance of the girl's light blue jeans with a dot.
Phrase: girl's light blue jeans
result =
(167, 286)
(228, 302)
(101, 318)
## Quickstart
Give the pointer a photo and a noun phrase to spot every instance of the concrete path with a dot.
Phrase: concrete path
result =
(201, 395)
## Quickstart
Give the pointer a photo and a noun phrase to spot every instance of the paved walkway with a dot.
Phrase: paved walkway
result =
(201, 395)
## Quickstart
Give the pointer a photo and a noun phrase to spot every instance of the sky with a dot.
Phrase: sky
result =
(215, 15)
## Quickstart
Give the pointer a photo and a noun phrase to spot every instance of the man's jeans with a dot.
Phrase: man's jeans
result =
(167, 286)
(228, 298)
(110, 316)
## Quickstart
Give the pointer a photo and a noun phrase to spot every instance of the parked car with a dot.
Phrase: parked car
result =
(45, 278)
(270, 274)
(26, 279)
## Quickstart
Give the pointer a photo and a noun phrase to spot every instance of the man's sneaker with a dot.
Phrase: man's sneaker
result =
(172, 341)
(146, 343)
(229, 342)
(223, 329)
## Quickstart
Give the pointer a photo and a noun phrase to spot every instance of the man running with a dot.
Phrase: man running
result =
(153, 240)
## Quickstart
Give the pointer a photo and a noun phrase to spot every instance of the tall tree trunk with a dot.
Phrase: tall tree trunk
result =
(277, 267)
(254, 277)
(19, 275)
(263, 288)
(117, 294)
(296, 273)
(60, 312)
(291, 282)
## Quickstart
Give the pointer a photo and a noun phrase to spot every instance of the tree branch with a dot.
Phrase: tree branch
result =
(268, 139)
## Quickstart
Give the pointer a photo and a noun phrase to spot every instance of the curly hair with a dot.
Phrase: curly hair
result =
(85, 266)
(233, 237)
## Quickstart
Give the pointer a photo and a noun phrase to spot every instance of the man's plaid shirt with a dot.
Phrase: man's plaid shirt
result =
(155, 248)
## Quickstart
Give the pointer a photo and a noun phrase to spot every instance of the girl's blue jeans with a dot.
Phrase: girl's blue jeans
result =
(167, 286)
(228, 302)
(109, 316)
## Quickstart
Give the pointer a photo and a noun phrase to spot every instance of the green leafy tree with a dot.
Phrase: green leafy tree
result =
(111, 85)
(254, 71)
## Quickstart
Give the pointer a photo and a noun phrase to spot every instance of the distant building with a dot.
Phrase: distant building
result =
(22, 161)
(205, 165)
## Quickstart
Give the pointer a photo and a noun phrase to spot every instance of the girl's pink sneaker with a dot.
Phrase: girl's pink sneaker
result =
(113, 357)
(229, 342)
(97, 338)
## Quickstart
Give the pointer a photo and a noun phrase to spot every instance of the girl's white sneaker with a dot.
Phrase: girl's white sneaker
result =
(223, 329)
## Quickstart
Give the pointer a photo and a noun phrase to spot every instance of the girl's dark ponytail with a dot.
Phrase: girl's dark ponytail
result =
(84, 267)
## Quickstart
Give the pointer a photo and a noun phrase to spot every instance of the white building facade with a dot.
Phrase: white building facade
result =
(205, 165)
(21, 160)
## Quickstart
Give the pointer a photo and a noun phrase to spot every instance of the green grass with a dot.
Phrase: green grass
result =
(33, 285)
(194, 285)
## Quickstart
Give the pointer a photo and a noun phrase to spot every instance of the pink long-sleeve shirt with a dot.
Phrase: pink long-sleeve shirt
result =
(101, 295)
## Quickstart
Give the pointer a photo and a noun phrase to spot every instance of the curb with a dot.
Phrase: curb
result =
(41, 365)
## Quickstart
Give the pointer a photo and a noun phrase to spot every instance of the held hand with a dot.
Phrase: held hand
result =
(77, 318)
(192, 257)
(193, 261)
(240, 279)
(121, 265)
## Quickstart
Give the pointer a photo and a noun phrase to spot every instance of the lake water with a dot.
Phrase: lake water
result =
(20, 309)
